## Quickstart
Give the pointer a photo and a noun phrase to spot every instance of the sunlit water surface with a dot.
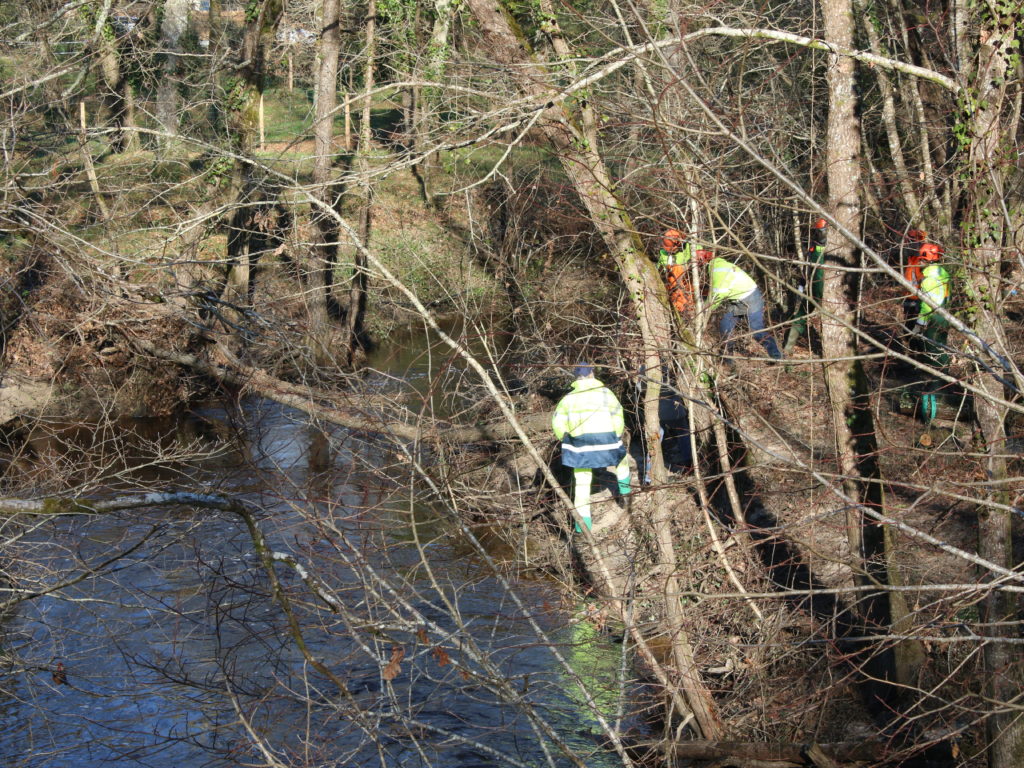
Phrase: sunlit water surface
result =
(177, 656)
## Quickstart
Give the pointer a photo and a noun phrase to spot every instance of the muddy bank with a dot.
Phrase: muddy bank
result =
(22, 398)
(794, 661)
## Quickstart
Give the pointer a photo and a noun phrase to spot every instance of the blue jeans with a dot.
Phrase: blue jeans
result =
(753, 307)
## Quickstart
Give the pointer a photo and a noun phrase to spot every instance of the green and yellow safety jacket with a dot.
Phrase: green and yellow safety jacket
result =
(816, 255)
(589, 422)
(934, 285)
(728, 282)
(678, 259)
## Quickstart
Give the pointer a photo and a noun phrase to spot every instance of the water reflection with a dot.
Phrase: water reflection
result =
(178, 654)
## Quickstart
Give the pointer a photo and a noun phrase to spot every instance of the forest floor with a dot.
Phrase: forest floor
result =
(790, 674)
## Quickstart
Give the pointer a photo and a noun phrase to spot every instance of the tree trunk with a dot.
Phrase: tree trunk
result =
(346, 411)
(215, 31)
(321, 270)
(247, 227)
(172, 27)
(244, 89)
(936, 211)
(117, 93)
(856, 446)
(892, 132)
(356, 307)
(423, 97)
(90, 169)
(990, 155)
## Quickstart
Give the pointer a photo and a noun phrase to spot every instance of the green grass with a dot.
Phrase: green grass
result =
(474, 162)
(151, 192)
(288, 115)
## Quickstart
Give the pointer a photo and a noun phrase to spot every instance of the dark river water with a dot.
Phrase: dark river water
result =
(177, 654)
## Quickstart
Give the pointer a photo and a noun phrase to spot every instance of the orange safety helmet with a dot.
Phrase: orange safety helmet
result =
(930, 252)
(917, 235)
(818, 233)
(703, 255)
(672, 240)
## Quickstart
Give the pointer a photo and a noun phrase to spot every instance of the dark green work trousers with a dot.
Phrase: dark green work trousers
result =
(932, 349)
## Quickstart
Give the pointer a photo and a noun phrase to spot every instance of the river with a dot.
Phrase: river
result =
(177, 654)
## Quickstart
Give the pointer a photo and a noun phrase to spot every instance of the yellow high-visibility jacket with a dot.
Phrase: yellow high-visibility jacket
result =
(934, 285)
(679, 258)
(728, 282)
(589, 422)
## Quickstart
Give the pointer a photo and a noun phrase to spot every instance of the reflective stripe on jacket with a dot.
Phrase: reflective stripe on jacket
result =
(728, 282)
(679, 258)
(934, 285)
(589, 422)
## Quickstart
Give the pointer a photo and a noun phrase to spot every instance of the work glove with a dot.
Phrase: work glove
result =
(918, 329)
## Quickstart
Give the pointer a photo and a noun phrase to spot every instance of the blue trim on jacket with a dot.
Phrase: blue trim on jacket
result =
(592, 450)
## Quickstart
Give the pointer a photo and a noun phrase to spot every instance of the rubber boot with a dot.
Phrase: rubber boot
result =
(588, 521)
(929, 407)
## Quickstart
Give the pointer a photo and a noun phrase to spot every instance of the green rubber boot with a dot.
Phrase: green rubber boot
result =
(929, 407)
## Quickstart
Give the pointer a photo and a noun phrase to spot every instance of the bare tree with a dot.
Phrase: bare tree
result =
(985, 228)
(356, 305)
(111, 39)
(173, 24)
(321, 271)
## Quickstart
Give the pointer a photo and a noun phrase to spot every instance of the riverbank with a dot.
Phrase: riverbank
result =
(739, 577)
(794, 561)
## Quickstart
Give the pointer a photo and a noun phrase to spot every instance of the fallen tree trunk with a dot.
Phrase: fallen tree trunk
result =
(370, 413)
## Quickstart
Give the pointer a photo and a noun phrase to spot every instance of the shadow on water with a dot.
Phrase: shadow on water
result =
(840, 626)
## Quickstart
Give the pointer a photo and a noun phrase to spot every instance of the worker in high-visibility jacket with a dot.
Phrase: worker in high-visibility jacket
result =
(734, 289)
(915, 248)
(673, 260)
(930, 328)
(590, 424)
(816, 278)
